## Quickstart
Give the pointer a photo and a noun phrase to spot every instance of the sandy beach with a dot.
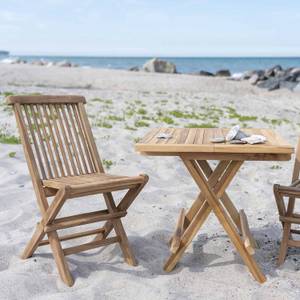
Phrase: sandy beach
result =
(122, 106)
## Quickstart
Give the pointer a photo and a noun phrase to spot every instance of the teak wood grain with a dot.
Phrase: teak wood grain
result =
(194, 147)
(64, 162)
(197, 140)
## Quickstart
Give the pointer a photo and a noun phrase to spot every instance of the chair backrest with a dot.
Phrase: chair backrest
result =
(56, 136)
(296, 170)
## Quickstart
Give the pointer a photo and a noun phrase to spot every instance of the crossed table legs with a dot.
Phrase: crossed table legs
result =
(213, 198)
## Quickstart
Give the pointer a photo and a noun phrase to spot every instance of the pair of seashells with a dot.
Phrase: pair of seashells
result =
(237, 136)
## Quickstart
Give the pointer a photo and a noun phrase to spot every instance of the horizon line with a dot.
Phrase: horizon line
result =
(153, 56)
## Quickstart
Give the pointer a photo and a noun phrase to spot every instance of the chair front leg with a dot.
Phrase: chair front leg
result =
(47, 217)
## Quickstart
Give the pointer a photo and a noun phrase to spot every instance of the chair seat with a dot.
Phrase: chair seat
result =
(92, 183)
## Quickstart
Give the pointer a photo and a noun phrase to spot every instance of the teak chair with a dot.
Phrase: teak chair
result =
(64, 162)
(287, 216)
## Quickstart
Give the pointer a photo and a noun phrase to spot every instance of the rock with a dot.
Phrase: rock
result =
(270, 84)
(248, 75)
(73, 65)
(223, 73)
(13, 61)
(39, 62)
(288, 85)
(205, 73)
(295, 72)
(272, 71)
(134, 69)
(281, 73)
(64, 63)
(237, 76)
(297, 88)
(159, 66)
(51, 64)
(254, 79)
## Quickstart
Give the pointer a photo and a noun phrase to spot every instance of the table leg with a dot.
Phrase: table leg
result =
(221, 214)
(219, 179)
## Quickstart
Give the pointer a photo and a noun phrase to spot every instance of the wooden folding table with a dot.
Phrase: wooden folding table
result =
(194, 147)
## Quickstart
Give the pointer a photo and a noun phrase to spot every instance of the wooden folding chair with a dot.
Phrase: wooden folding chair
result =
(64, 162)
(287, 216)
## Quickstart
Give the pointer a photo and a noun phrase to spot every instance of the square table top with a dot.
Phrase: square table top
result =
(198, 140)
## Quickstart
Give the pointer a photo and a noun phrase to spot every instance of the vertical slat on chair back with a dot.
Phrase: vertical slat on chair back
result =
(59, 134)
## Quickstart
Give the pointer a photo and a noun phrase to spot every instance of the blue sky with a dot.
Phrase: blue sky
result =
(151, 27)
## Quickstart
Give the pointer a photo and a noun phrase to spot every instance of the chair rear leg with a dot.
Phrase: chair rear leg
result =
(37, 236)
(284, 243)
(123, 205)
(120, 232)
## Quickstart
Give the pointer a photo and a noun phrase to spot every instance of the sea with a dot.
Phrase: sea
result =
(183, 64)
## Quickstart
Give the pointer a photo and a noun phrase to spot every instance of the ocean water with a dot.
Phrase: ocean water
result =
(183, 64)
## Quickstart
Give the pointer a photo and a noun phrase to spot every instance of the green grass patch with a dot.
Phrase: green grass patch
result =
(141, 123)
(142, 111)
(167, 120)
(115, 118)
(6, 94)
(103, 124)
(136, 140)
(232, 114)
(183, 115)
(130, 128)
(203, 125)
(9, 139)
(12, 154)
(107, 163)
(276, 167)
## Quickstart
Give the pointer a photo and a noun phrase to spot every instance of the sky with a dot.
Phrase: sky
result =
(151, 27)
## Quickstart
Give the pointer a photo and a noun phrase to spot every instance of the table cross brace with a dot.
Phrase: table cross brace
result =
(213, 198)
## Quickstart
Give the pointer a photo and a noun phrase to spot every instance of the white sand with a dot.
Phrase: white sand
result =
(210, 269)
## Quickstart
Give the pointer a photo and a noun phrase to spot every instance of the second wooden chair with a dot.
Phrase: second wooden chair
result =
(287, 214)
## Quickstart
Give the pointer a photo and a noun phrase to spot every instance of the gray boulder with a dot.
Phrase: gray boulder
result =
(64, 63)
(159, 66)
(249, 74)
(134, 69)
(272, 71)
(39, 62)
(297, 88)
(270, 84)
(254, 79)
(223, 73)
(288, 85)
(205, 73)
(295, 72)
